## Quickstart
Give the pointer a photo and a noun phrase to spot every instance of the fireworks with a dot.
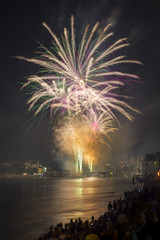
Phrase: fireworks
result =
(84, 138)
(80, 82)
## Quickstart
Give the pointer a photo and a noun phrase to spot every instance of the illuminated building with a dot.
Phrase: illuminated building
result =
(151, 163)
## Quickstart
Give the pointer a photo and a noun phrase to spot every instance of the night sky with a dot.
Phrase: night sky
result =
(21, 25)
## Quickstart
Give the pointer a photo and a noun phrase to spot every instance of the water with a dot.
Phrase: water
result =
(28, 206)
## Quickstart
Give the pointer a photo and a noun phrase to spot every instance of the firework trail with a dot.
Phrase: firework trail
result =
(80, 82)
(76, 78)
(84, 138)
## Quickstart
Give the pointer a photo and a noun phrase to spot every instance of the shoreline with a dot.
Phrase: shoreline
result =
(143, 215)
(5, 176)
(20, 180)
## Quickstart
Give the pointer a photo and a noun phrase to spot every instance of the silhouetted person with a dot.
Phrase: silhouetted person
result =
(110, 206)
(50, 233)
(92, 235)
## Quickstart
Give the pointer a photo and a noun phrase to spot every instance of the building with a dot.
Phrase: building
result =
(31, 164)
(151, 164)
(139, 166)
(35, 165)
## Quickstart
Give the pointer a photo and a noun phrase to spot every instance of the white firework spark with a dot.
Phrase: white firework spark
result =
(78, 78)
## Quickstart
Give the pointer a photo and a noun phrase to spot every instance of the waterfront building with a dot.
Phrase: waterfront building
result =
(35, 165)
(32, 164)
(151, 164)
(139, 166)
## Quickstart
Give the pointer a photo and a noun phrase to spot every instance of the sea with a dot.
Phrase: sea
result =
(29, 205)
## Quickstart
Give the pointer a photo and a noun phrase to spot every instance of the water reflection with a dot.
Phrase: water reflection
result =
(30, 205)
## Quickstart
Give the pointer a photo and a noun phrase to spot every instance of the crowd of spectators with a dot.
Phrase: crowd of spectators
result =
(136, 217)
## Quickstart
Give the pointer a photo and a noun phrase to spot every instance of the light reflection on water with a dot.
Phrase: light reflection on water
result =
(28, 205)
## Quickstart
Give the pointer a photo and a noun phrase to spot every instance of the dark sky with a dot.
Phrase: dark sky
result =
(21, 23)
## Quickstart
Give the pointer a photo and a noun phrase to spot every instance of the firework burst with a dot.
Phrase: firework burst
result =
(79, 81)
(84, 138)
(77, 78)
